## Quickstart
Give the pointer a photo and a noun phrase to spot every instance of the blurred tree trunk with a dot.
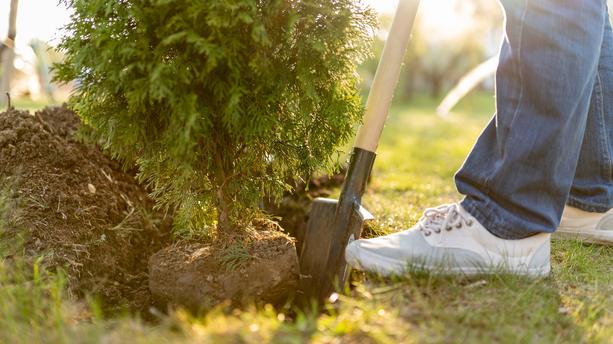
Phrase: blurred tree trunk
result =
(435, 80)
(42, 66)
(436, 86)
(8, 54)
(408, 86)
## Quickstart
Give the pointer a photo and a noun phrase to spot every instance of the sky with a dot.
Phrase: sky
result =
(43, 19)
(40, 19)
(383, 6)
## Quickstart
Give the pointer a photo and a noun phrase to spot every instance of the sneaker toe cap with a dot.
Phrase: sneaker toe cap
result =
(394, 249)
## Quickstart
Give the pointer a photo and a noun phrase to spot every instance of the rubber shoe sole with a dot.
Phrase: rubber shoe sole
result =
(388, 267)
(594, 236)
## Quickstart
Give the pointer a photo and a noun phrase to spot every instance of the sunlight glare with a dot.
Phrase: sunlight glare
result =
(442, 19)
(36, 19)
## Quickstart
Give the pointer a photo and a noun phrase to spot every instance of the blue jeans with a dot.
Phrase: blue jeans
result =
(551, 139)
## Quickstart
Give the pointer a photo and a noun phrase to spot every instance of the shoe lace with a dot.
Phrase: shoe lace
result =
(446, 216)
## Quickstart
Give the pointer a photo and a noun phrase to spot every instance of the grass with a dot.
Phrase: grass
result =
(30, 105)
(418, 156)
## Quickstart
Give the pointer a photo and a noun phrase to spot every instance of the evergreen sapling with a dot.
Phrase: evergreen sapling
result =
(218, 102)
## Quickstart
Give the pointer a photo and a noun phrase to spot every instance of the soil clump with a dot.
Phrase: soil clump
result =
(201, 276)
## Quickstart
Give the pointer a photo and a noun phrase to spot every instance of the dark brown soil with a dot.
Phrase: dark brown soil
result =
(293, 210)
(200, 276)
(78, 208)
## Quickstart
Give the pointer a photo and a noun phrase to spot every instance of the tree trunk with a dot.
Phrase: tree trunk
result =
(9, 54)
(409, 86)
(43, 68)
(224, 223)
(436, 84)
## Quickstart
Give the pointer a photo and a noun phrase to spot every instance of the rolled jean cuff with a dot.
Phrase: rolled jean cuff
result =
(486, 215)
(589, 207)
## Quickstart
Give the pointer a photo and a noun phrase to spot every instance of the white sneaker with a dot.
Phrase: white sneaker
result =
(448, 239)
(585, 226)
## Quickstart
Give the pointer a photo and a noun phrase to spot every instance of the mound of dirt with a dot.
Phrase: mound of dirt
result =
(78, 208)
(200, 276)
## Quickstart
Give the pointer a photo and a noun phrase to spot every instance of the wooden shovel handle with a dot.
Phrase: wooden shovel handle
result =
(386, 78)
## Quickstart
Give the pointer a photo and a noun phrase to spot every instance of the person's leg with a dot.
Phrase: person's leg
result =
(588, 215)
(518, 177)
(592, 189)
(519, 174)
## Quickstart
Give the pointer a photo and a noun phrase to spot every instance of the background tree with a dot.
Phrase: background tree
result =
(449, 38)
(218, 102)
(443, 54)
(7, 53)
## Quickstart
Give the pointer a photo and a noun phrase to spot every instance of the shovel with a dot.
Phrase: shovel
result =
(333, 224)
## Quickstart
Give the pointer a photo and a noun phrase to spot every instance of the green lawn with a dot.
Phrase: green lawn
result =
(31, 105)
(418, 156)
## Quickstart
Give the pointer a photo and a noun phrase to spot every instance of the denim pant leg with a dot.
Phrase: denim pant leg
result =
(592, 188)
(518, 176)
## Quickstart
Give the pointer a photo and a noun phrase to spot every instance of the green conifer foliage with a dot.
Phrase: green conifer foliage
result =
(218, 102)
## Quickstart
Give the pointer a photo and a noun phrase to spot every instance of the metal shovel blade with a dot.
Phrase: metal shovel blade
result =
(318, 278)
(333, 223)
